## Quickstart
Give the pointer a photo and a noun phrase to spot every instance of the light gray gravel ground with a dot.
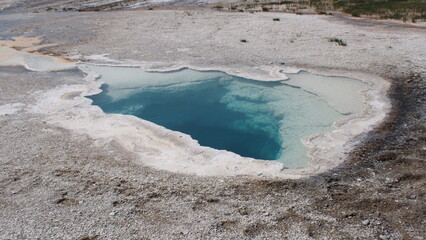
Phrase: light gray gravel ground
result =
(208, 38)
(55, 184)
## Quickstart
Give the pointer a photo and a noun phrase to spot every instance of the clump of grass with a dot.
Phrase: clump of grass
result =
(218, 7)
(243, 40)
(265, 9)
(233, 7)
(339, 41)
(276, 19)
(188, 13)
(355, 14)
(384, 9)
(404, 10)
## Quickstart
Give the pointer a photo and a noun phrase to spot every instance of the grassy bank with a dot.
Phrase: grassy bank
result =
(405, 10)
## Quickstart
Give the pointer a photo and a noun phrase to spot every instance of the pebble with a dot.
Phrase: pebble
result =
(113, 213)
(384, 237)
(266, 214)
(412, 197)
(366, 222)
(243, 211)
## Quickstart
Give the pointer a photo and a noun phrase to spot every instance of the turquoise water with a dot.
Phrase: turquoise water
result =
(262, 120)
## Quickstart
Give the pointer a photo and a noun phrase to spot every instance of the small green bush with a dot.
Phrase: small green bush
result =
(339, 41)
(265, 9)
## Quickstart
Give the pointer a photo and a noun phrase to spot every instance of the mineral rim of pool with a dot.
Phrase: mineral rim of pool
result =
(261, 120)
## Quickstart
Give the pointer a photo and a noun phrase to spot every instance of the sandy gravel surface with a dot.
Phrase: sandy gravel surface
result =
(56, 184)
(206, 38)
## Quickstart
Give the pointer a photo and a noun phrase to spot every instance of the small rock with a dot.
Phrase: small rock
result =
(366, 222)
(384, 237)
(412, 197)
(350, 215)
(212, 200)
(112, 213)
(243, 211)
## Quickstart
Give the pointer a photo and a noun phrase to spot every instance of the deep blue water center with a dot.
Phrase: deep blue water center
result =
(198, 110)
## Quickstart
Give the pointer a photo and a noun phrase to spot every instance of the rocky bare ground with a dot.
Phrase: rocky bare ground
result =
(56, 184)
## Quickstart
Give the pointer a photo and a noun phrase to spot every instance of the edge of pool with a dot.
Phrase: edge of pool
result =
(178, 152)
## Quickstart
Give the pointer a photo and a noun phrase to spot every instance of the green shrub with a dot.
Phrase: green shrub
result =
(339, 41)
(265, 9)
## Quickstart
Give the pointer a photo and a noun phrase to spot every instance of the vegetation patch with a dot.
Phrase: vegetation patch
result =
(405, 10)
(339, 41)
(386, 9)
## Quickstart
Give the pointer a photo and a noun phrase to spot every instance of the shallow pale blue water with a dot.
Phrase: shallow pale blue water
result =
(262, 120)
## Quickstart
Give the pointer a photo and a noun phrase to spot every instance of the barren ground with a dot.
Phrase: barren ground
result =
(57, 184)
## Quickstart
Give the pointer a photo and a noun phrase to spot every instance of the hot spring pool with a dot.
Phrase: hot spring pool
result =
(261, 120)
